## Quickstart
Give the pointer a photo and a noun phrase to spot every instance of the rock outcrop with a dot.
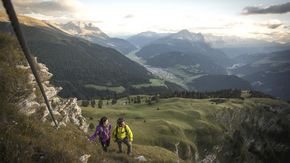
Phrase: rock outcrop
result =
(261, 134)
(65, 110)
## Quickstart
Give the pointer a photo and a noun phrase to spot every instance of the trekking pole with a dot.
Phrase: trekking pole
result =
(20, 37)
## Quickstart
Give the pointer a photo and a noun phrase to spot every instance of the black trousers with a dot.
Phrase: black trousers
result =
(127, 142)
(105, 144)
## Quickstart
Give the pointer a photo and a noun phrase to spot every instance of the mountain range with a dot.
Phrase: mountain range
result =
(184, 41)
(83, 69)
(194, 59)
(267, 72)
(94, 34)
(188, 57)
(145, 38)
(234, 46)
(86, 62)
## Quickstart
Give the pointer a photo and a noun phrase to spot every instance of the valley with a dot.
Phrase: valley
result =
(196, 82)
(177, 60)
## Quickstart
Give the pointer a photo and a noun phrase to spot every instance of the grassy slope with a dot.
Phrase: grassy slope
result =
(25, 138)
(116, 89)
(177, 120)
(153, 83)
(121, 89)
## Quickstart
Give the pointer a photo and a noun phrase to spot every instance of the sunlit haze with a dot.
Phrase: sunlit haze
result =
(261, 19)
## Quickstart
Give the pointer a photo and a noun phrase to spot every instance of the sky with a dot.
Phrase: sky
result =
(262, 19)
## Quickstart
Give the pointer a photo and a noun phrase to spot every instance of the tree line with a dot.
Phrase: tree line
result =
(227, 93)
(151, 99)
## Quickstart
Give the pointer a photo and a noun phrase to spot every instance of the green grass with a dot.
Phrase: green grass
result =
(25, 139)
(116, 89)
(177, 120)
(153, 83)
(187, 121)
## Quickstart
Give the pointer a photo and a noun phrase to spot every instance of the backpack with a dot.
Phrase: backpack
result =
(116, 133)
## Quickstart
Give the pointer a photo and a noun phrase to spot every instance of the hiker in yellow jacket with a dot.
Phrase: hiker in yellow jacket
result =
(123, 134)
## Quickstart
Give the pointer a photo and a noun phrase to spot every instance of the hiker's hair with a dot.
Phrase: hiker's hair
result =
(103, 120)
(120, 120)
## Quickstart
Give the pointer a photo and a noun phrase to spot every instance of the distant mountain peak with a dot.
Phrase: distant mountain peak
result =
(187, 35)
(83, 28)
(147, 34)
(81, 24)
(184, 32)
(87, 30)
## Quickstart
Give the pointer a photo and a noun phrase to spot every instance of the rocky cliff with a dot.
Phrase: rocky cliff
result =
(64, 110)
(19, 87)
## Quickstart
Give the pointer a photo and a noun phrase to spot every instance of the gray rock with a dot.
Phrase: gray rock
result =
(64, 110)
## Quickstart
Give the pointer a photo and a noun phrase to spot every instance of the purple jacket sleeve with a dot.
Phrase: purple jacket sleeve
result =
(97, 132)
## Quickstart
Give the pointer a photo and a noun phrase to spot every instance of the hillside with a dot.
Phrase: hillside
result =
(210, 130)
(195, 63)
(268, 72)
(77, 63)
(219, 82)
(28, 133)
(196, 129)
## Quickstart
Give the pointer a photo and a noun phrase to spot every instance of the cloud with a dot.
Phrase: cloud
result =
(53, 8)
(277, 36)
(129, 16)
(271, 24)
(274, 9)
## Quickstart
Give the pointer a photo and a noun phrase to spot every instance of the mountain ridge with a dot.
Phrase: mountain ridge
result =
(94, 34)
(76, 62)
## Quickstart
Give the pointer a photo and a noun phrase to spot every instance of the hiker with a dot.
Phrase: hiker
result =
(123, 134)
(103, 131)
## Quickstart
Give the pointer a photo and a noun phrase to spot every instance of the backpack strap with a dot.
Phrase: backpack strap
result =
(126, 130)
(116, 133)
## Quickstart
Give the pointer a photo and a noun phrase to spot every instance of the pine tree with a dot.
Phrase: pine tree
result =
(129, 100)
(100, 103)
(114, 99)
(93, 103)
(85, 103)
(138, 99)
